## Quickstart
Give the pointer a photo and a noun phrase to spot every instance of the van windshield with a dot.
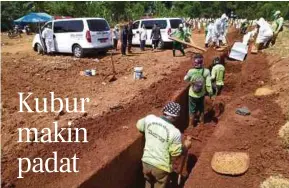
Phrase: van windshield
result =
(150, 23)
(97, 25)
(175, 23)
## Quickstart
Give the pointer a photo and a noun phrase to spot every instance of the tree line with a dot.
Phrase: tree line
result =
(118, 11)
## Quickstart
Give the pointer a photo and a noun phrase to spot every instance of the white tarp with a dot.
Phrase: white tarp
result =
(239, 51)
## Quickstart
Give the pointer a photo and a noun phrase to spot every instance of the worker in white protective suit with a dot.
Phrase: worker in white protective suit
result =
(210, 33)
(264, 35)
(48, 36)
(220, 30)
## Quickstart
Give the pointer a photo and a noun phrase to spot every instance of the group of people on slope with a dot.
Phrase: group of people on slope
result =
(163, 140)
(216, 32)
(126, 35)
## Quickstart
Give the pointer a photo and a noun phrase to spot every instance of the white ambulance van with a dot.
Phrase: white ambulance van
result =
(77, 36)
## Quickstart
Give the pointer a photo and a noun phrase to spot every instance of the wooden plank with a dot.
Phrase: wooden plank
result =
(189, 44)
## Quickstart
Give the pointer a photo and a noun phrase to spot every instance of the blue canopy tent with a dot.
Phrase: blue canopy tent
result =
(34, 18)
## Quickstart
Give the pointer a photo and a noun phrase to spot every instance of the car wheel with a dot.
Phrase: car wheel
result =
(77, 51)
(161, 45)
(39, 49)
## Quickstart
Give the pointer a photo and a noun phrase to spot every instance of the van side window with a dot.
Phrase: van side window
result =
(175, 23)
(150, 23)
(135, 25)
(49, 24)
(75, 26)
(97, 25)
(68, 26)
(59, 27)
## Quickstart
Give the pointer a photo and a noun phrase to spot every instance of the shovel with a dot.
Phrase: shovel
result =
(112, 77)
(185, 158)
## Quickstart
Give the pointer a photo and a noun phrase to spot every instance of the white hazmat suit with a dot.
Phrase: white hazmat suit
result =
(220, 30)
(47, 34)
(265, 32)
(210, 34)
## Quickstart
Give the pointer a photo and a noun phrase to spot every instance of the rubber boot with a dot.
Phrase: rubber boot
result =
(174, 53)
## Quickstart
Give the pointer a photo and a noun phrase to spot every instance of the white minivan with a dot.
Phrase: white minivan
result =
(77, 36)
(167, 26)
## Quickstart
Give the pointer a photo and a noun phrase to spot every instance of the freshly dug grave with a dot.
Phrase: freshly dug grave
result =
(256, 134)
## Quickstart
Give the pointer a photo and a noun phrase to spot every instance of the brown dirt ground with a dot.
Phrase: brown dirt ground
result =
(256, 134)
(110, 111)
(23, 71)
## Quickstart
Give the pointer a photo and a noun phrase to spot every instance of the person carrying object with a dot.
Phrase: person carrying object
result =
(163, 144)
(264, 35)
(181, 35)
(200, 81)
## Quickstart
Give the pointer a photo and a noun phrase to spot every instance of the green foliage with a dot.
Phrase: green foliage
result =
(116, 11)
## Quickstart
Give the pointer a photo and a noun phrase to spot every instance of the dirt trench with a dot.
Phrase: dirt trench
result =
(112, 156)
(242, 79)
(109, 135)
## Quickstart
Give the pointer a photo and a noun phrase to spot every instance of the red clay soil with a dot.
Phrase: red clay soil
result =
(112, 131)
(108, 133)
(256, 134)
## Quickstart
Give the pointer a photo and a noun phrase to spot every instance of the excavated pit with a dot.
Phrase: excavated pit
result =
(125, 170)
(113, 156)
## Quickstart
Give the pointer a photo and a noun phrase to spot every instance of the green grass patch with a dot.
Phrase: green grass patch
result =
(281, 46)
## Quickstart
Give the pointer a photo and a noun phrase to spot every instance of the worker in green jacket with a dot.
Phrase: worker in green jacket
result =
(217, 76)
(163, 144)
(181, 35)
(188, 32)
(200, 80)
(277, 26)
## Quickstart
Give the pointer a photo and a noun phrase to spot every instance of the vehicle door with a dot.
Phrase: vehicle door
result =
(60, 33)
(100, 33)
(68, 33)
(163, 27)
(135, 31)
(148, 25)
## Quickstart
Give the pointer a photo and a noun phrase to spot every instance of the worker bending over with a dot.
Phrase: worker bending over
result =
(162, 144)
(264, 35)
(217, 76)
(200, 80)
(277, 26)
